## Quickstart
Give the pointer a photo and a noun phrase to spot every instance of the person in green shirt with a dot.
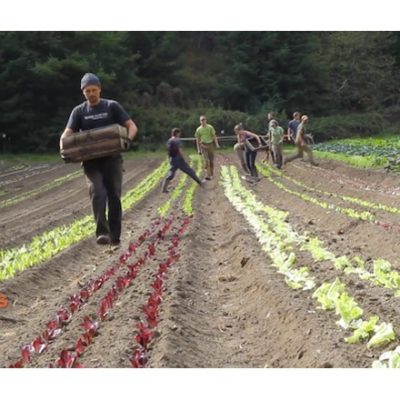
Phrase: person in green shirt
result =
(206, 139)
(276, 134)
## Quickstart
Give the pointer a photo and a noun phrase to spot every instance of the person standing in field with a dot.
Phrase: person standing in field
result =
(206, 141)
(250, 155)
(301, 143)
(276, 134)
(292, 126)
(270, 117)
(177, 160)
(103, 175)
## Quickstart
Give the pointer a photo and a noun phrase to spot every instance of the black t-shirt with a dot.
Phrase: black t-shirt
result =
(173, 146)
(293, 125)
(84, 116)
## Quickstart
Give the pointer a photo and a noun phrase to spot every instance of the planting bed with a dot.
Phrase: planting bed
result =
(277, 274)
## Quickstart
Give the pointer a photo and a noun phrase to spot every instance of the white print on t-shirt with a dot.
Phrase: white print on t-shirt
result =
(96, 116)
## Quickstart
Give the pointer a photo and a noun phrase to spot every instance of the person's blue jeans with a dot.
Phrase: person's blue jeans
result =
(251, 162)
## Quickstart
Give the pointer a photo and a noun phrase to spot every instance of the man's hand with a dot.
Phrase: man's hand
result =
(64, 157)
(130, 144)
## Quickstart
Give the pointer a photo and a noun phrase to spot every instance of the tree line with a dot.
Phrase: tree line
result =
(167, 79)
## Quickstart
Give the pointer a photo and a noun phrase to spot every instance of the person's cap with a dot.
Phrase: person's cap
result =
(89, 79)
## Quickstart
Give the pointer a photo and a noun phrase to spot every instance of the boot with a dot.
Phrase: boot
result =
(164, 187)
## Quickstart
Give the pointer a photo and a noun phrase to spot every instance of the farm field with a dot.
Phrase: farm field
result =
(299, 270)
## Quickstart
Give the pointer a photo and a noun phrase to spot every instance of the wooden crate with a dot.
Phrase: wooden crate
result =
(100, 142)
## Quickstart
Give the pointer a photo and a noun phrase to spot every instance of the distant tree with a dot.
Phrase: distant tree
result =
(273, 65)
(40, 76)
(360, 70)
(321, 73)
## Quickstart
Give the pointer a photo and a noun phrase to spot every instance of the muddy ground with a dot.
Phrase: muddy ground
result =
(224, 305)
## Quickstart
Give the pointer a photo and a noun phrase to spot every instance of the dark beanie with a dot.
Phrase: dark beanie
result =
(89, 79)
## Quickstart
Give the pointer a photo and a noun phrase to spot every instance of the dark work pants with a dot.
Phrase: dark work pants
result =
(179, 163)
(251, 162)
(104, 179)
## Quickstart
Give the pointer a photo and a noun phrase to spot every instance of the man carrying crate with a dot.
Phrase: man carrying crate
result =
(104, 174)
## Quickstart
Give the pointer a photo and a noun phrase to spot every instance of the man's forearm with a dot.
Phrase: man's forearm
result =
(198, 145)
(66, 133)
(132, 129)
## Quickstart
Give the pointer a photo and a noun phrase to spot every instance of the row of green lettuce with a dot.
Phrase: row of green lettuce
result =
(187, 204)
(269, 172)
(278, 240)
(50, 243)
(382, 275)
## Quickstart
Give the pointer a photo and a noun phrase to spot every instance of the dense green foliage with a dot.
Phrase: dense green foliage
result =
(340, 126)
(167, 79)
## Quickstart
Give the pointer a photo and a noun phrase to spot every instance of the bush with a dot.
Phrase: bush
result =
(344, 126)
(260, 120)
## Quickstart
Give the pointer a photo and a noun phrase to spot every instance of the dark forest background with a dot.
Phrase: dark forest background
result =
(345, 81)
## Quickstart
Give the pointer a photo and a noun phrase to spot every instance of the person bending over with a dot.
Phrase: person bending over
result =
(250, 155)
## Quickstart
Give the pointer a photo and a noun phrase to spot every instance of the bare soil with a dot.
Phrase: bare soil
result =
(224, 305)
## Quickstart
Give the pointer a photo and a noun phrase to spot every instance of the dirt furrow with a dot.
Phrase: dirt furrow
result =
(29, 172)
(376, 183)
(57, 206)
(229, 308)
(336, 229)
(224, 304)
(38, 292)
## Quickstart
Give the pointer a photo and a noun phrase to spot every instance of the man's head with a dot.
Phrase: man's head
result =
(274, 123)
(176, 132)
(304, 119)
(203, 120)
(296, 115)
(90, 79)
(91, 88)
